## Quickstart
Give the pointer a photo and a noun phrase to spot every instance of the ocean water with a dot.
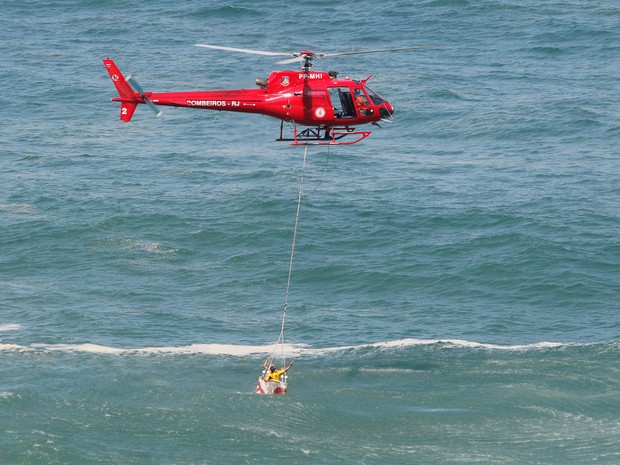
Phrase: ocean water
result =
(456, 283)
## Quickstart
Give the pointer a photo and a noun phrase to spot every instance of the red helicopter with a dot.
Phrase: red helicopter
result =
(331, 107)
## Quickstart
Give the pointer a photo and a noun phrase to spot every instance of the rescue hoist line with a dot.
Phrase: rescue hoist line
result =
(280, 342)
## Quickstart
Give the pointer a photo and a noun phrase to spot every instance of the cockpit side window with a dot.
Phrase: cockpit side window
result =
(375, 97)
(360, 98)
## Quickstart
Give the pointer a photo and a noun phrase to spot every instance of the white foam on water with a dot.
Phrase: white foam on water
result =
(404, 343)
(10, 327)
(289, 350)
(145, 246)
(18, 208)
(88, 348)
(208, 349)
(14, 348)
(193, 349)
(470, 344)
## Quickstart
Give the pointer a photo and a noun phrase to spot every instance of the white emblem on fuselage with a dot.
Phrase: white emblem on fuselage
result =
(319, 112)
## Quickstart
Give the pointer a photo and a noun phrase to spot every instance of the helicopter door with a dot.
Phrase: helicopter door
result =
(342, 102)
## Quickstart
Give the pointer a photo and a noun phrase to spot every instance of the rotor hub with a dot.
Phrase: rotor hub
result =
(308, 57)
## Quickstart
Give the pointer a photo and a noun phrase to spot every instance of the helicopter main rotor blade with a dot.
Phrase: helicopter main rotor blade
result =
(291, 60)
(308, 56)
(323, 55)
(133, 83)
(244, 50)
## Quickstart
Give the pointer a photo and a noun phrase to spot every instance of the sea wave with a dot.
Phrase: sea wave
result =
(10, 327)
(290, 350)
(145, 246)
(18, 208)
(192, 349)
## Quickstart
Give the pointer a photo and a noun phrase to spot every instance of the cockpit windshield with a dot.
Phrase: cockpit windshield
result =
(375, 97)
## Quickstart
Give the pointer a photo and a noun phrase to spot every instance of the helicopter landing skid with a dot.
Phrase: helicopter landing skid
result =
(320, 135)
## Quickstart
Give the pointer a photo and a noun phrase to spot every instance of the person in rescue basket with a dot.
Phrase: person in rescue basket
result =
(273, 374)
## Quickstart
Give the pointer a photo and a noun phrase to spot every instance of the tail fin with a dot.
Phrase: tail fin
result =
(126, 93)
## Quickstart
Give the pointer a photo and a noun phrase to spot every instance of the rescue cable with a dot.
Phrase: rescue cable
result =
(280, 341)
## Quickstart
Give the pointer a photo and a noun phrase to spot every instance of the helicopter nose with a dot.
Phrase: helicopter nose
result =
(386, 110)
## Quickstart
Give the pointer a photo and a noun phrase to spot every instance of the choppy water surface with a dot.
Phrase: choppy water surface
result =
(455, 288)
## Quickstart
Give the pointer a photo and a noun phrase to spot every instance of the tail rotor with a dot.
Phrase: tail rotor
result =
(138, 88)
